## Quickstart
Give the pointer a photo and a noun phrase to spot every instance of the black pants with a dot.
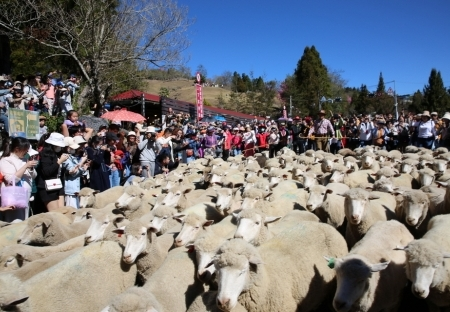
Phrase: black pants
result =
(272, 150)
(225, 154)
(299, 146)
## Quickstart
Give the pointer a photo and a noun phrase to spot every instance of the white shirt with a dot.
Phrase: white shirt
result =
(365, 131)
(425, 129)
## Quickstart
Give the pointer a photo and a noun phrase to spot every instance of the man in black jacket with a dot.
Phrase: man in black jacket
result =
(298, 144)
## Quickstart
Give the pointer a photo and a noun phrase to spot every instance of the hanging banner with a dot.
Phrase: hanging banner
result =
(198, 87)
(23, 123)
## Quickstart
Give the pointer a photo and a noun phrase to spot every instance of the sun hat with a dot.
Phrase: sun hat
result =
(131, 133)
(434, 113)
(32, 152)
(322, 112)
(56, 139)
(426, 114)
(79, 139)
(71, 143)
(446, 116)
(42, 118)
(150, 129)
(141, 128)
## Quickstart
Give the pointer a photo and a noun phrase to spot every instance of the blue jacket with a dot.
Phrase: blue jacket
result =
(72, 181)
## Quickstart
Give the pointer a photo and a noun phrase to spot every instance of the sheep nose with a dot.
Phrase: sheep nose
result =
(338, 305)
(87, 239)
(410, 220)
(126, 258)
(223, 302)
(309, 207)
(331, 180)
(19, 240)
(355, 217)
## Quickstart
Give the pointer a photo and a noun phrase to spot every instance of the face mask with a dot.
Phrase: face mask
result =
(72, 151)
(57, 149)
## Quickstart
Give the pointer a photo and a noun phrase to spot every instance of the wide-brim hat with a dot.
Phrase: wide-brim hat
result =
(322, 112)
(426, 113)
(131, 133)
(381, 122)
(56, 139)
(70, 142)
(150, 129)
(78, 139)
(42, 118)
(446, 116)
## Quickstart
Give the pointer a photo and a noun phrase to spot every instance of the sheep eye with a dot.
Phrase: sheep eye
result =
(10, 260)
(257, 223)
(242, 272)
(164, 218)
(106, 222)
(197, 227)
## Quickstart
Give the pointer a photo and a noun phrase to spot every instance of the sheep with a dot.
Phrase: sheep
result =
(368, 162)
(51, 229)
(357, 178)
(327, 206)
(415, 212)
(160, 219)
(206, 302)
(346, 152)
(411, 149)
(409, 165)
(399, 180)
(251, 196)
(171, 181)
(218, 175)
(132, 202)
(253, 224)
(9, 234)
(177, 198)
(427, 266)
(257, 182)
(92, 198)
(426, 177)
(394, 155)
(382, 155)
(280, 274)
(15, 256)
(306, 160)
(351, 163)
(193, 225)
(372, 276)
(440, 166)
(278, 175)
(440, 150)
(144, 248)
(74, 283)
(228, 200)
(135, 299)
(13, 296)
(361, 213)
(425, 160)
(444, 156)
(102, 226)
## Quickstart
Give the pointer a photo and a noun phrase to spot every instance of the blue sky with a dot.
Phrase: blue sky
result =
(402, 39)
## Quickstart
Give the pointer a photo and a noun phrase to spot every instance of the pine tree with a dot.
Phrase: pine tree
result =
(435, 96)
(311, 77)
(381, 89)
(416, 105)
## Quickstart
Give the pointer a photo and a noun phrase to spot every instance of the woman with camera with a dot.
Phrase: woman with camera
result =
(100, 157)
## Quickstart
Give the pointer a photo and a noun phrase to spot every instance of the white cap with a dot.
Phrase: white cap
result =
(151, 129)
(71, 143)
(32, 152)
(131, 133)
(56, 139)
(78, 139)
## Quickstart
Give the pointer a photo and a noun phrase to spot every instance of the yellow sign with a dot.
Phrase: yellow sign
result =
(23, 123)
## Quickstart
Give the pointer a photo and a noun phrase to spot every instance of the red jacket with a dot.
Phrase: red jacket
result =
(236, 140)
(262, 139)
(227, 140)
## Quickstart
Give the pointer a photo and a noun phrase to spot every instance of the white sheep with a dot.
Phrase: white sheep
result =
(415, 212)
(102, 226)
(90, 198)
(85, 281)
(135, 299)
(206, 302)
(372, 276)
(280, 274)
(427, 265)
(133, 203)
(13, 296)
(160, 220)
(369, 162)
(9, 234)
(51, 229)
(362, 213)
(426, 177)
(228, 200)
(144, 248)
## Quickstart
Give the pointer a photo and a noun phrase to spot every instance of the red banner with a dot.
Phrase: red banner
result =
(199, 101)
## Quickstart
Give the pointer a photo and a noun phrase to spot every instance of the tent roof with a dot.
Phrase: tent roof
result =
(135, 94)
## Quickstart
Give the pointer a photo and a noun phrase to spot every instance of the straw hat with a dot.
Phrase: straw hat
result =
(426, 113)
(150, 129)
(322, 112)
(56, 139)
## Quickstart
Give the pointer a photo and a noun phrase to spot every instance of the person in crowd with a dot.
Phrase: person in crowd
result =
(380, 134)
(129, 148)
(71, 121)
(365, 128)
(49, 94)
(74, 169)
(50, 160)
(179, 145)
(192, 148)
(403, 134)
(100, 158)
(227, 137)
(249, 140)
(136, 172)
(162, 164)
(72, 86)
(283, 132)
(437, 126)
(320, 129)
(115, 166)
(273, 141)
(16, 170)
(426, 131)
(338, 124)
(236, 142)
(297, 142)
(164, 143)
(147, 152)
(42, 127)
(392, 136)
(443, 132)
(261, 138)
(209, 142)
(414, 131)
(17, 100)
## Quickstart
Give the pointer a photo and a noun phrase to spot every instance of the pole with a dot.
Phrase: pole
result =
(143, 105)
(290, 106)
(396, 104)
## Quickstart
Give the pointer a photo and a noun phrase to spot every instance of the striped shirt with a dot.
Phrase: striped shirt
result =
(321, 126)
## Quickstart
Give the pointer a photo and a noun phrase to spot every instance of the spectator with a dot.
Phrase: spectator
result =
(380, 134)
(162, 164)
(336, 142)
(236, 142)
(17, 170)
(72, 121)
(209, 142)
(273, 141)
(130, 148)
(136, 172)
(147, 152)
(72, 86)
(249, 140)
(74, 169)
(100, 158)
(426, 131)
(51, 159)
(321, 128)
(193, 147)
(444, 132)
(227, 138)
(49, 94)
(164, 143)
(42, 127)
(365, 131)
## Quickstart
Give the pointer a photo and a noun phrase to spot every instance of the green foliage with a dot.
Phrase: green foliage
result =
(435, 96)
(381, 89)
(164, 92)
(206, 102)
(53, 123)
(416, 105)
(312, 77)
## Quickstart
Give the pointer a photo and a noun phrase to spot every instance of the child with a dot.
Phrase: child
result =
(42, 127)
(72, 120)
(74, 169)
(136, 172)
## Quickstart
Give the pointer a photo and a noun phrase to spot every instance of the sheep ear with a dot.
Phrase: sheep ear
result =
(179, 217)
(255, 260)
(208, 223)
(95, 192)
(400, 247)
(238, 185)
(442, 183)
(329, 191)
(267, 195)
(397, 175)
(189, 246)
(350, 171)
(188, 190)
(274, 185)
(46, 223)
(379, 266)
(11, 305)
(285, 176)
(373, 196)
(271, 219)
(446, 254)
(118, 219)
(119, 231)
(236, 214)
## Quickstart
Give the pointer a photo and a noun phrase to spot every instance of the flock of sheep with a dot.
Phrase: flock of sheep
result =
(363, 230)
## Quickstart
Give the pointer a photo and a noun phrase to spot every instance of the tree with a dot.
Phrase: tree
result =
(203, 73)
(101, 37)
(361, 103)
(164, 92)
(435, 96)
(416, 104)
(312, 76)
(381, 89)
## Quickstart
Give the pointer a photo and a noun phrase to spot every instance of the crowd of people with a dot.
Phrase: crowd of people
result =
(62, 163)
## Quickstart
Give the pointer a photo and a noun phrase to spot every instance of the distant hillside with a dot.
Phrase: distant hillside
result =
(184, 90)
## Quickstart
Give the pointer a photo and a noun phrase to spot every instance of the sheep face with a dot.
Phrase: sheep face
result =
(81, 215)
(426, 178)
(98, 226)
(137, 239)
(338, 176)
(87, 201)
(176, 197)
(407, 168)
(131, 194)
(353, 274)
(216, 178)
(367, 161)
(316, 197)
(309, 180)
(250, 202)
(250, 226)
(355, 204)
(35, 231)
(327, 165)
(169, 184)
(440, 165)
(192, 226)
(224, 200)
(424, 259)
(159, 219)
(275, 180)
(10, 261)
